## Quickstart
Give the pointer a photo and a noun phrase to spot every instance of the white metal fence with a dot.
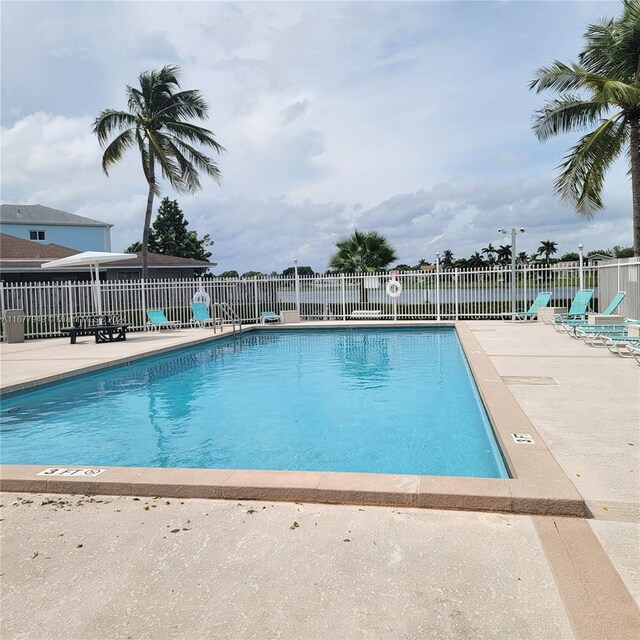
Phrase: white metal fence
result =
(447, 294)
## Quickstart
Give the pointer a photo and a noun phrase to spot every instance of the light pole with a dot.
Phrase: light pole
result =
(297, 281)
(438, 286)
(514, 233)
(580, 248)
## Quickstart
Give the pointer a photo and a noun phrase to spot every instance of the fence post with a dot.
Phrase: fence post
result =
(438, 318)
(143, 300)
(455, 291)
(255, 296)
(297, 285)
(344, 299)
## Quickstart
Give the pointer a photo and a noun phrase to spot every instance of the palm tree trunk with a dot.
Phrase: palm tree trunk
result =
(635, 182)
(151, 179)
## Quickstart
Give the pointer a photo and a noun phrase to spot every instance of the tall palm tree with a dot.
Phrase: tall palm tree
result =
(362, 253)
(504, 253)
(601, 90)
(547, 248)
(158, 124)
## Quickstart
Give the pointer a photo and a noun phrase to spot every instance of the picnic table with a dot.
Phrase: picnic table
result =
(105, 329)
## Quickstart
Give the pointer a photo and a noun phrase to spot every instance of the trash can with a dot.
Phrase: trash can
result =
(14, 325)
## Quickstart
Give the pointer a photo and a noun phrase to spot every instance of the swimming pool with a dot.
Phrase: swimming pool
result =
(383, 400)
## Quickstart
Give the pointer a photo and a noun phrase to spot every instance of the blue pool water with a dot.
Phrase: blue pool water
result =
(368, 400)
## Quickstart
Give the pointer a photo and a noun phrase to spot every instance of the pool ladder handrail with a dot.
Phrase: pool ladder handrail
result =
(228, 316)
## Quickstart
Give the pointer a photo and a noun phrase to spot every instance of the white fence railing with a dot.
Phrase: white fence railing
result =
(447, 294)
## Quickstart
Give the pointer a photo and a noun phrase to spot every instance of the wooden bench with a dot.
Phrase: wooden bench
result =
(92, 326)
(364, 314)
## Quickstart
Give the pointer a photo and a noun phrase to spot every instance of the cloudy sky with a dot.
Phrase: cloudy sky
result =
(412, 119)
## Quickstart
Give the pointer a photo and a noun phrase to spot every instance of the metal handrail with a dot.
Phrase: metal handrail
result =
(228, 315)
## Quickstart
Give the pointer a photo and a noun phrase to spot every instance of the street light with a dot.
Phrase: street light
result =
(580, 248)
(514, 233)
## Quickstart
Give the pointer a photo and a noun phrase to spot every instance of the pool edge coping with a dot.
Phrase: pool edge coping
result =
(538, 486)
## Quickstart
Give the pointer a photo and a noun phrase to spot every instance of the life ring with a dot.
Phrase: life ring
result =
(394, 289)
(202, 296)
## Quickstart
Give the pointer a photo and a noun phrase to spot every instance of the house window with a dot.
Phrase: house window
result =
(36, 235)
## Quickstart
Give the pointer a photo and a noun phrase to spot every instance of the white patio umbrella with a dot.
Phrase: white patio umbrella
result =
(93, 260)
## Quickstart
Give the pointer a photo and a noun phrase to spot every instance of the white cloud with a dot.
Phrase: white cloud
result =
(409, 118)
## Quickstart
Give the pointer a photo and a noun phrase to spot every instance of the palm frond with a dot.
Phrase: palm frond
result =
(566, 114)
(193, 133)
(582, 173)
(185, 104)
(197, 158)
(162, 153)
(111, 121)
(117, 148)
(559, 77)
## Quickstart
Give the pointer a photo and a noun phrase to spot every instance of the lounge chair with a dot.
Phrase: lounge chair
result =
(156, 320)
(542, 300)
(634, 350)
(568, 325)
(578, 308)
(201, 316)
(620, 344)
(269, 316)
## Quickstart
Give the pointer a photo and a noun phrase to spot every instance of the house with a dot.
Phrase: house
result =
(37, 223)
(21, 261)
(596, 258)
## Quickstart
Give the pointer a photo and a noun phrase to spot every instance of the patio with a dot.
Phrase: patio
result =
(403, 572)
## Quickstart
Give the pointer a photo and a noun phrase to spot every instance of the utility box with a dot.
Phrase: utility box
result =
(14, 325)
(289, 317)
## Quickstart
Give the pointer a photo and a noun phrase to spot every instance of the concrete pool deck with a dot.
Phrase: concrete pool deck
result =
(419, 573)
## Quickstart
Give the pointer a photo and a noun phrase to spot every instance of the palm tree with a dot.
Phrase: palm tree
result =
(547, 248)
(601, 90)
(157, 123)
(488, 251)
(475, 261)
(447, 259)
(362, 253)
(504, 253)
(522, 258)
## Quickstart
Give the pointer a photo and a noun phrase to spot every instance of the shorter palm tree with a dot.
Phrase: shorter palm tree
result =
(547, 248)
(504, 253)
(489, 251)
(362, 253)
(447, 259)
(476, 261)
(522, 258)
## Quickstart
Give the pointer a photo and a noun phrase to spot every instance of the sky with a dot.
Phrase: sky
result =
(411, 119)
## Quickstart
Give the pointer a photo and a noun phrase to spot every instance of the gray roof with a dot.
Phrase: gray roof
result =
(37, 214)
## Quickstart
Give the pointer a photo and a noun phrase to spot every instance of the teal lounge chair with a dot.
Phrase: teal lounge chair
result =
(156, 320)
(201, 316)
(568, 325)
(542, 300)
(634, 350)
(269, 316)
(578, 308)
(620, 344)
